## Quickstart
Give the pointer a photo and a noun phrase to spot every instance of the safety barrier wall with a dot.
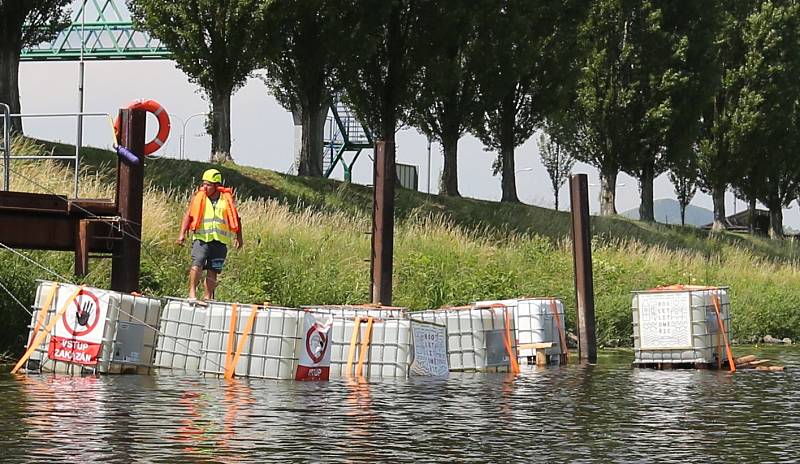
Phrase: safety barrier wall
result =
(680, 325)
(537, 321)
(126, 332)
(475, 336)
(196, 338)
(180, 338)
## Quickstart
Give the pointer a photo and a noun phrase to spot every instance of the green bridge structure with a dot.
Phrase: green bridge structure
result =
(104, 30)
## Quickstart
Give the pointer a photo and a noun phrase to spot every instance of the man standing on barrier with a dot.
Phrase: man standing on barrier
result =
(215, 224)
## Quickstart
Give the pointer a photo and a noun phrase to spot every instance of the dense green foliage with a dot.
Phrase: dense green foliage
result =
(701, 89)
(305, 244)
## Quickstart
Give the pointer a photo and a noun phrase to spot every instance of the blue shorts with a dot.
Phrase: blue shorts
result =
(209, 255)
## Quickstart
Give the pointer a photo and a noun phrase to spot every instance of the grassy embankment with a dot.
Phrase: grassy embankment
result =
(306, 242)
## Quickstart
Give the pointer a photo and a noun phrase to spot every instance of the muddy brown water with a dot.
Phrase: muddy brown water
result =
(609, 412)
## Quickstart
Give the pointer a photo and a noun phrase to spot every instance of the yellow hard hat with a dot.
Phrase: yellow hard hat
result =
(212, 175)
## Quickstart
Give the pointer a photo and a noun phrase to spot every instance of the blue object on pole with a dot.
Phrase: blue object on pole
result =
(127, 154)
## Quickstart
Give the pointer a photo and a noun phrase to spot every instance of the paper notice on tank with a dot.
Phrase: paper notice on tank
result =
(665, 320)
(430, 349)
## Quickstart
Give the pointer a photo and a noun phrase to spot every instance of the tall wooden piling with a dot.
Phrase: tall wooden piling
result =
(383, 222)
(582, 260)
(130, 193)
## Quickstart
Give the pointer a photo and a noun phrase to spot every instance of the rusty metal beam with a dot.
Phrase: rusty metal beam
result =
(55, 204)
(33, 202)
(383, 222)
(37, 231)
(82, 248)
(129, 198)
(582, 260)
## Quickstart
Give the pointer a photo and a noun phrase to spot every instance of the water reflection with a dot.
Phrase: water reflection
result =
(608, 412)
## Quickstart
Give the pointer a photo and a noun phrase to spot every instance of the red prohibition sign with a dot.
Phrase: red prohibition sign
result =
(323, 341)
(95, 315)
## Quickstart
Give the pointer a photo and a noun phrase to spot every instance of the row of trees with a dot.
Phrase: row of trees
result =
(704, 90)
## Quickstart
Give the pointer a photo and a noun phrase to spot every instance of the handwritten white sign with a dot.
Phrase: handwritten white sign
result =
(430, 349)
(665, 320)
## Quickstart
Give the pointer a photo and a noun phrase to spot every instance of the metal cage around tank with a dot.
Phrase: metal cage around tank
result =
(679, 325)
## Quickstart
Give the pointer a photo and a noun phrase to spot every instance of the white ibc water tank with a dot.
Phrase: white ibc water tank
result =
(123, 325)
(390, 347)
(536, 320)
(180, 338)
(678, 324)
(269, 351)
(475, 336)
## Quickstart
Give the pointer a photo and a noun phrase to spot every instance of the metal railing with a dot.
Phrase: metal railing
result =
(7, 157)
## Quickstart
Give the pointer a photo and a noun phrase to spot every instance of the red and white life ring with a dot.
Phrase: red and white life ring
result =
(151, 106)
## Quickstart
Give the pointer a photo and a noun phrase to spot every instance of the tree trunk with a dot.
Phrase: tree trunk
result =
(220, 127)
(683, 213)
(775, 220)
(751, 208)
(555, 194)
(507, 122)
(448, 185)
(646, 209)
(608, 193)
(508, 181)
(310, 162)
(9, 80)
(718, 197)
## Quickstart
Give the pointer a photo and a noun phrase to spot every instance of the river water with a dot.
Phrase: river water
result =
(603, 413)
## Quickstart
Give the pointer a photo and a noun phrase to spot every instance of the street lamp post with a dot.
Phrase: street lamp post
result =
(522, 170)
(169, 142)
(183, 132)
(429, 165)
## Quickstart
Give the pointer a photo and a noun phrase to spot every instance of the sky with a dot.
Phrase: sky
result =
(263, 132)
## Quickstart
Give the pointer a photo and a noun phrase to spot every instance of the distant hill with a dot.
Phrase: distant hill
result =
(668, 211)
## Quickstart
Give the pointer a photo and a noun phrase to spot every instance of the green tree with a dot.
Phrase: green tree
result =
(765, 122)
(684, 181)
(216, 43)
(523, 63)
(602, 114)
(377, 78)
(557, 161)
(444, 90)
(305, 40)
(676, 74)
(643, 70)
(719, 160)
(24, 23)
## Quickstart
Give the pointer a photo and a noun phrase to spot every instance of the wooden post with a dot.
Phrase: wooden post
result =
(383, 222)
(130, 193)
(582, 260)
